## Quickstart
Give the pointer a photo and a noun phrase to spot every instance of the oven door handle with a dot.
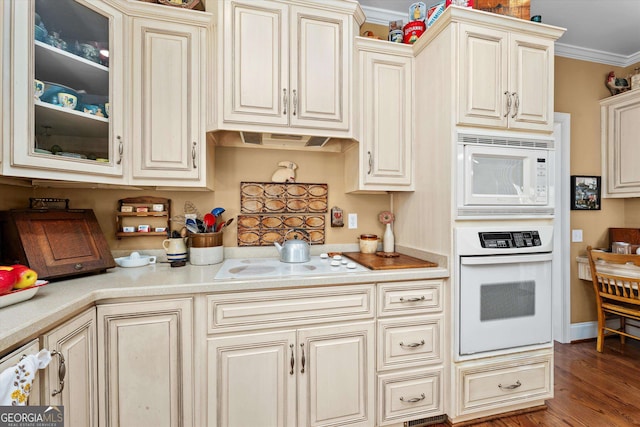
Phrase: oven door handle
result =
(505, 259)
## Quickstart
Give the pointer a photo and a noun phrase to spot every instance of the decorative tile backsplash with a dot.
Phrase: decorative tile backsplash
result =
(270, 210)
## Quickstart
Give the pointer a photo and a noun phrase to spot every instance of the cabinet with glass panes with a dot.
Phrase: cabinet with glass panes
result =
(67, 87)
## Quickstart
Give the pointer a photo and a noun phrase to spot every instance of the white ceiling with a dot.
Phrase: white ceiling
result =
(605, 31)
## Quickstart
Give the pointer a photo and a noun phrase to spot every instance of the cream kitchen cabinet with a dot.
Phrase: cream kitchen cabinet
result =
(620, 134)
(151, 91)
(11, 359)
(145, 363)
(383, 161)
(310, 376)
(169, 71)
(89, 146)
(505, 79)
(485, 385)
(410, 351)
(71, 379)
(294, 357)
(286, 67)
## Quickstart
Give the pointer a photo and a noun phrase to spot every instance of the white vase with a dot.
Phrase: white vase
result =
(388, 241)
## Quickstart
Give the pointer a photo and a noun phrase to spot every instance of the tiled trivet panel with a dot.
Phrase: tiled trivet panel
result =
(270, 210)
(267, 197)
(263, 230)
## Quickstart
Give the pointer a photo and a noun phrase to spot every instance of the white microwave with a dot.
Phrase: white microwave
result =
(502, 176)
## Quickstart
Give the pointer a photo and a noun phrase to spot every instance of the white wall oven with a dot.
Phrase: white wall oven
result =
(502, 176)
(503, 291)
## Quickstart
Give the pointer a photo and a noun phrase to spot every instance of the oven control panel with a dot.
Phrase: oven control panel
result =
(509, 239)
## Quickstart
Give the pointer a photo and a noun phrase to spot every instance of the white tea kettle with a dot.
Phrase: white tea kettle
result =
(294, 250)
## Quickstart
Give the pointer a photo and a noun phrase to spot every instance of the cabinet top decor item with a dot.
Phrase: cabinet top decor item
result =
(187, 4)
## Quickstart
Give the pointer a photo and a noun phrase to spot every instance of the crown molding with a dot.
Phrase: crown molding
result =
(375, 15)
(599, 56)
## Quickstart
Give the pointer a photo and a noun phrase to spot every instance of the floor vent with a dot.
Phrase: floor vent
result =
(426, 421)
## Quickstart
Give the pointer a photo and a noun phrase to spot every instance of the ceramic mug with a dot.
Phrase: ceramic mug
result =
(67, 100)
(176, 249)
(38, 89)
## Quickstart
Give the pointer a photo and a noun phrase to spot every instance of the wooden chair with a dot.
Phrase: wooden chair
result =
(617, 296)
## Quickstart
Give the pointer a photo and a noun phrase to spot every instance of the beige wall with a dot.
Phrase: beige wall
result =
(232, 166)
(579, 86)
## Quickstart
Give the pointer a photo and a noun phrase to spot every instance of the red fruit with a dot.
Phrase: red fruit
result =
(8, 278)
(25, 277)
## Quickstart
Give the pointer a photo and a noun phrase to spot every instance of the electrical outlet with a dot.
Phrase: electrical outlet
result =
(576, 236)
(353, 220)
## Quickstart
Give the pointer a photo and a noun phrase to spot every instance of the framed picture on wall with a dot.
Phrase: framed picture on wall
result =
(585, 193)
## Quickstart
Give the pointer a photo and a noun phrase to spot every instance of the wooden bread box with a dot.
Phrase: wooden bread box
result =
(54, 243)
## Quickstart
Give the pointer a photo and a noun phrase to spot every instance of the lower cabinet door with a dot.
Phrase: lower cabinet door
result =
(336, 372)
(145, 363)
(409, 395)
(11, 359)
(252, 380)
(71, 379)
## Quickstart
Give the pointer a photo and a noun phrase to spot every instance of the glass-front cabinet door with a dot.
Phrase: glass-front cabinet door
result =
(66, 91)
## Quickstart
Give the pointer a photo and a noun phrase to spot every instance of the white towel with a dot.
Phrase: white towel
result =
(16, 381)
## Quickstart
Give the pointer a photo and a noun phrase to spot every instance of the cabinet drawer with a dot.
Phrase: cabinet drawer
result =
(409, 341)
(410, 297)
(409, 395)
(267, 309)
(499, 384)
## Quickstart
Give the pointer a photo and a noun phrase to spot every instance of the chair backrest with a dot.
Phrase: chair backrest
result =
(618, 287)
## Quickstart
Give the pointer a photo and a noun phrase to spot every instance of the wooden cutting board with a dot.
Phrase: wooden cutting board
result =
(376, 262)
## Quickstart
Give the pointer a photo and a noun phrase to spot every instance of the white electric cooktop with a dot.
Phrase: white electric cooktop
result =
(272, 267)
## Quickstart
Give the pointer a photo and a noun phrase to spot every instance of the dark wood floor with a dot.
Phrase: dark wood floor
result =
(591, 389)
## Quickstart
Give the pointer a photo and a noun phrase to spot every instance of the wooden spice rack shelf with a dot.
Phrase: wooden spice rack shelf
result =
(145, 202)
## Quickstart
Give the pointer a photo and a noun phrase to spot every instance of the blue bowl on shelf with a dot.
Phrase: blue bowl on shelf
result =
(41, 33)
(51, 91)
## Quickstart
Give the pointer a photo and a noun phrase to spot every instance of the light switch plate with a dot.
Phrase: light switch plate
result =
(353, 220)
(576, 236)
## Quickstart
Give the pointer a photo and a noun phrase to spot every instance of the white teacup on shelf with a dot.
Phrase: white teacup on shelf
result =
(67, 100)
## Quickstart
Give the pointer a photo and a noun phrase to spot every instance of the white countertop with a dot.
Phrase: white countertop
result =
(61, 299)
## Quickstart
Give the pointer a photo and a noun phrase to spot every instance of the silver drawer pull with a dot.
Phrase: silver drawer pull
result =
(412, 345)
(293, 361)
(412, 299)
(62, 372)
(413, 399)
(510, 387)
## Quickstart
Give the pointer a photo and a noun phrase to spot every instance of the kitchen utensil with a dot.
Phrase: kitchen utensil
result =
(135, 260)
(294, 250)
(191, 225)
(209, 222)
(227, 222)
(217, 211)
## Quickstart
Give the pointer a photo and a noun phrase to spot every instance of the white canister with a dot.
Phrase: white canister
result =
(206, 256)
